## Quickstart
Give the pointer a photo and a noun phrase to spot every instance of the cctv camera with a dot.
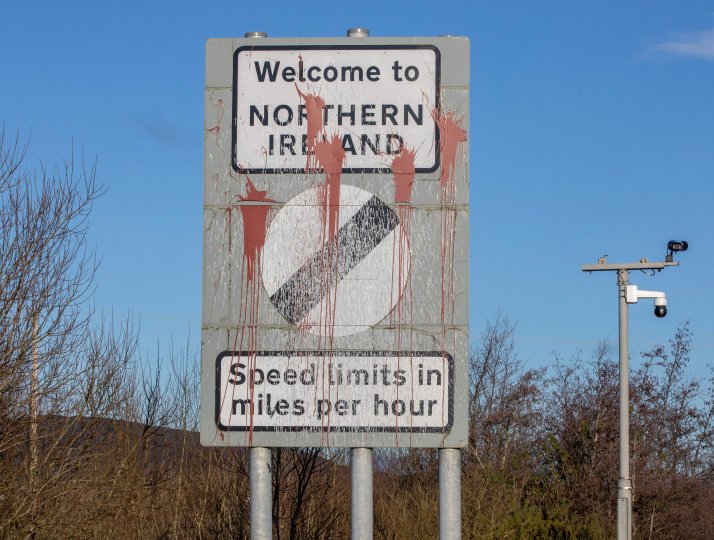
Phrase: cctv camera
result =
(660, 307)
(633, 294)
(677, 245)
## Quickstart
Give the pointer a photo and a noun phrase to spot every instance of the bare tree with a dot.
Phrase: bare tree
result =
(46, 275)
(504, 398)
(579, 458)
(672, 446)
(97, 440)
(306, 503)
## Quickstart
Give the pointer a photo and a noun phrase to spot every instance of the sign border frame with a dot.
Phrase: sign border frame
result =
(338, 429)
(354, 170)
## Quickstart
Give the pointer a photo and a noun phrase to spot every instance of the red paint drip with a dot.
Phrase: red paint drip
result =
(255, 218)
(401, 316)
(255, 221)
(314, 106)
(451, 134)
(404, 172)
(330, 156)
(216, 130)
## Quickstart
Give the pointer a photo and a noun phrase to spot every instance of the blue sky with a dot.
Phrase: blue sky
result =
(592, 132)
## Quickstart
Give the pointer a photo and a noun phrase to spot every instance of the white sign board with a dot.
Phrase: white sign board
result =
(382, 392)
(369, 238)
(378, 99)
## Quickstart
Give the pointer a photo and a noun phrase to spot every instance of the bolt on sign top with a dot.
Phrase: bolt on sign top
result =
(335, 234)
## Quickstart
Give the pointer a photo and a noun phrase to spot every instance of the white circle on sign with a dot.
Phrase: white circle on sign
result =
(335, 282)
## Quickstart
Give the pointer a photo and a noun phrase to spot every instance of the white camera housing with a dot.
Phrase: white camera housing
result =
(660, 300)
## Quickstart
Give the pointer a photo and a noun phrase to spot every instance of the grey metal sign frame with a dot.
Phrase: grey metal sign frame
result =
(238, 315)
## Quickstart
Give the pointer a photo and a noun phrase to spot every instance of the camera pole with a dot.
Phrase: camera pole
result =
(624, 482)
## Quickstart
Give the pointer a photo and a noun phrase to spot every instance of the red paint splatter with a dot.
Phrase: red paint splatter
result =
(451, 135)
(330, 156)
(404, 174)
(216, 130)
(254, 209)
(254, 225)
(404, 171)
(314, 106)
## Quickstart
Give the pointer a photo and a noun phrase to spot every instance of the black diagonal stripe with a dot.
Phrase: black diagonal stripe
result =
(353, 242)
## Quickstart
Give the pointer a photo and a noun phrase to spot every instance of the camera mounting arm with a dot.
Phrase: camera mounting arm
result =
(633, 294)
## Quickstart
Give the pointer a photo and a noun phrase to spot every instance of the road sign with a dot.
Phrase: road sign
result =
(296, 391)
(306, 275)
(335, 286)
(377, 97)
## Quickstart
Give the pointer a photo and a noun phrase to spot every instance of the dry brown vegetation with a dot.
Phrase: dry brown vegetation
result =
(97, 441)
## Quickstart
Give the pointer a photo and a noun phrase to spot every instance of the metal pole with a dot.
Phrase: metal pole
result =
(624, 483)
(261, 494)
(449, 494)
(362, 494)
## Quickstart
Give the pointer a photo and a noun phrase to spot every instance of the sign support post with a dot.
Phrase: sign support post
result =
(362, 499)
(449, 493)
(261, 495)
